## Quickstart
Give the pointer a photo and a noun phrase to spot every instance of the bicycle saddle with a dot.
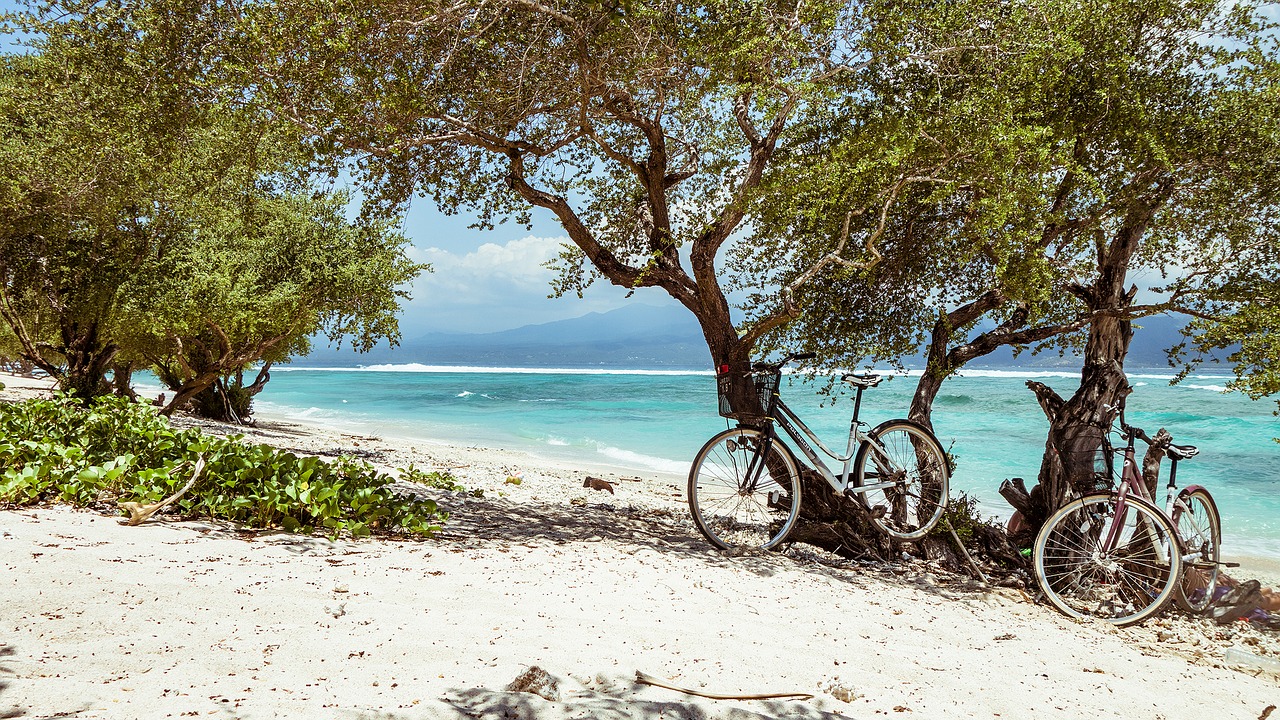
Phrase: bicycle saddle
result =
(1182, 452)
(864, 381)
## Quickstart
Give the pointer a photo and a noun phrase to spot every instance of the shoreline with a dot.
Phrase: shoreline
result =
(177, 618)
(392, 451)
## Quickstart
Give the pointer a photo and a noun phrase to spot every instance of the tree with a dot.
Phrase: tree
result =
(1135, 137)
(645, 127)
(192, 237)
(92, 125)
(264, 273)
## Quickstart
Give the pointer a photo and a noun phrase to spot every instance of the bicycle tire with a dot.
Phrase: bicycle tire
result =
(1195, 516)
(729, 514)
(910, 511)
(1123, 586)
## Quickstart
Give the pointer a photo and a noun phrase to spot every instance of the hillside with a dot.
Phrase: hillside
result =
(645, 336)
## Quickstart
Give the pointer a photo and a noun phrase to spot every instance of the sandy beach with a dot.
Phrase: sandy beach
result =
(195, 619)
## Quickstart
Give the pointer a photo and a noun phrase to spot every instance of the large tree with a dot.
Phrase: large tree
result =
(644, 127)
(150, 217)
(1130, 139)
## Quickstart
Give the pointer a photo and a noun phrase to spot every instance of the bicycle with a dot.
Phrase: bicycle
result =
(745, 489)
(1117, 556)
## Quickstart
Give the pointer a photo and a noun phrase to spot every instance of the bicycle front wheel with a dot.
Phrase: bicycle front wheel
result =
(1092, 563)
(907, 455)
(741, 499)
(1199, 528)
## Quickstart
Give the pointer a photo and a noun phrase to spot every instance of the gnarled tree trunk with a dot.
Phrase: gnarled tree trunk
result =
(1078, 425)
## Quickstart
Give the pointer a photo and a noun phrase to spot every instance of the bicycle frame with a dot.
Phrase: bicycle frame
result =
(1132, 482)
(792, 425)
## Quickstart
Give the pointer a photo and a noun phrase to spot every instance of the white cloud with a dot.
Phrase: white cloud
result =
(495, 287)
(473, 277)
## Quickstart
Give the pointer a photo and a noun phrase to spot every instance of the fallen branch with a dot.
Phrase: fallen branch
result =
(645, 679)
(138, 513)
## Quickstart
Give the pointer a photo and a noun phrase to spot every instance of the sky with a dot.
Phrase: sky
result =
(490, 280)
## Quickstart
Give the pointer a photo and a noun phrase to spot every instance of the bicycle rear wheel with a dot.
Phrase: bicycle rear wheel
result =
(1196, 517)
(1123, 582)
(915, 461)
(739, 499)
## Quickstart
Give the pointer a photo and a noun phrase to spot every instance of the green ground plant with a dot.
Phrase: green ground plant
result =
(115, 450)
(440, 480)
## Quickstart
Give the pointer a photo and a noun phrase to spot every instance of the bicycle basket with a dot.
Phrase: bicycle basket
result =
(766, 386)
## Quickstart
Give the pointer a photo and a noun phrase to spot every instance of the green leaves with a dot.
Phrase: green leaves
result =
(115, 450)
(148, 212)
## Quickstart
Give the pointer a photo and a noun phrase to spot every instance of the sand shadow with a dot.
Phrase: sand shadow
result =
(484, 521)
(6, 652)
(485, 703)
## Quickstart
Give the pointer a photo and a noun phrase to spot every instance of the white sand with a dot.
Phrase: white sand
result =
(98, 620)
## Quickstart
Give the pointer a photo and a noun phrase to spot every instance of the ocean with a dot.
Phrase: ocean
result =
(656, 420)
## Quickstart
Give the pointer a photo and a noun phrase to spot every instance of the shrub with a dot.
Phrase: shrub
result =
(113, 449)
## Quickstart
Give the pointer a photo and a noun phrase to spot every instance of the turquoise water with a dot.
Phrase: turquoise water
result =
(656, 421)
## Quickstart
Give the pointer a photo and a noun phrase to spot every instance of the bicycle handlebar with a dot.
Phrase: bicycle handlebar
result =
(1129, 431)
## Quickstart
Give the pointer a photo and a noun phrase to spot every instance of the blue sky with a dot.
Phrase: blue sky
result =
(494, 280)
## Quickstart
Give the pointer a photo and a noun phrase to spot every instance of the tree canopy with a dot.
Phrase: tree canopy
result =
(147, 214)
(1132, 142)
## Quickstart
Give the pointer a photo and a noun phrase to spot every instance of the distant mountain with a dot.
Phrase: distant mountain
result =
(1152, 338)
(645, 336)
(635, 336)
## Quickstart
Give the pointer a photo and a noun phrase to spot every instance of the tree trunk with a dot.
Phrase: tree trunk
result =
(188, 390)
(1074, 456)
(122, 379)
(1151, 460)
(87, 360)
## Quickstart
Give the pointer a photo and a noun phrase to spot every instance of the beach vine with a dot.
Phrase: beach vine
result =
(116, 451)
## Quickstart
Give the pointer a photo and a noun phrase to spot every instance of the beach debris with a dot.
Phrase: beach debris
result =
(647, 679)
(515, 478)
(338, 611)
(1243, 658)
(1238, 602)
(596, 483)
(838, 690)
(1266, 712)
(341, 589)
(537, 681)
(138, 513)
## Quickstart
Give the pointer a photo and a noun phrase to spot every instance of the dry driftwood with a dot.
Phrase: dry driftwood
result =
(647, 679)
(138, 513)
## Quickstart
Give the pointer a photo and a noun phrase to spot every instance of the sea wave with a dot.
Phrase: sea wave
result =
(635, 459)
(1215, 388)
(1018, 373)
(476, 369)
(465, 393)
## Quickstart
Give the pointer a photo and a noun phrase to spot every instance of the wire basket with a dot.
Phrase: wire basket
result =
(766, 386)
